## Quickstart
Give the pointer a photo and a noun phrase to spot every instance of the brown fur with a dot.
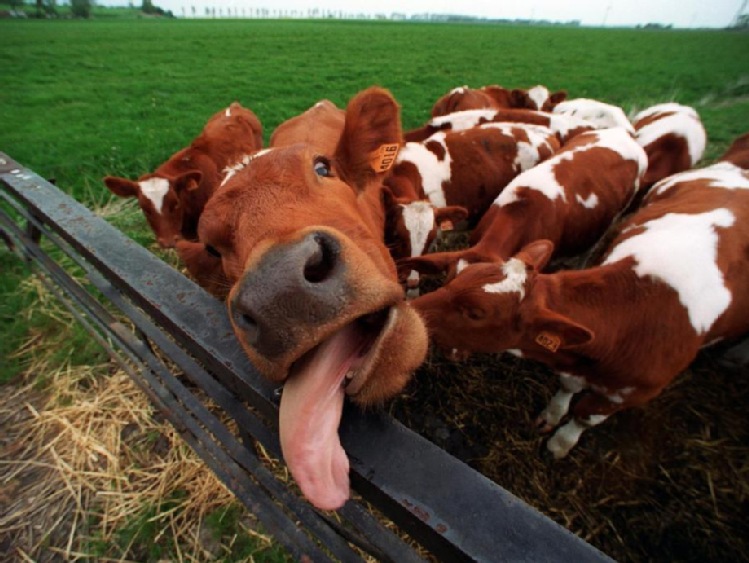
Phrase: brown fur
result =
(320, 126)
(277, 202)
(491, 97)
(194, 173)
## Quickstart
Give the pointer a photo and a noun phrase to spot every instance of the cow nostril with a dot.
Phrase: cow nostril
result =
(248, 325)
(321, 263)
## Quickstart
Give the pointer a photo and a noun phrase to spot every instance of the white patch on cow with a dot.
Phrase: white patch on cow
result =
(572, 383)
(228, 112)
(515, 277)
(514, 352)
(724, 175)
(528, 151)
(567, 436)
(154, 190)
(433, 171)
(602, 115)
(418, 217)
(619, 396)
(461, 265)
(539, 95)
(589, 202)
(668, 107)
(562, 125)
(558, 407)
(683, 124)
(462, 120)
(231, 170)
(681, 250)
(458, 90)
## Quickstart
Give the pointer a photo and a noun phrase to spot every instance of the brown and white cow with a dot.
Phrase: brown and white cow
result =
(673, 138)
(571, 199)
(565, 126)
(320, 126)
(674, 279)
(456, 175)
(496, 97)
(315, 300)
(173, 196)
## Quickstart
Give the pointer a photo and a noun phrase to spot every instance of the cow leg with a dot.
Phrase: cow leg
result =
(560, 402)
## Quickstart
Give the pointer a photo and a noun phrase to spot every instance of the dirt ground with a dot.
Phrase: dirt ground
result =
(666, 482)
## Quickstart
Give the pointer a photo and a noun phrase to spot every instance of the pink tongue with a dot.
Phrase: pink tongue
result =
(310, 413)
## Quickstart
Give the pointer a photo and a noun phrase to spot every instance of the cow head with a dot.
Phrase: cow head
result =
(161, 198)
(492, 307)
(412, 227)
(315, 300)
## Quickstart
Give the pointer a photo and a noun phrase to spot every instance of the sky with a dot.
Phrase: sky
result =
(679, 13)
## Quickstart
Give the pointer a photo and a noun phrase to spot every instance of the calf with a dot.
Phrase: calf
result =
(674, 279)
(320, 126)
(456, 175)
(173, 196)
(673, 138)
(564, 126)
(315, 300)
(600, 114)
(570, 199)
(496, 97)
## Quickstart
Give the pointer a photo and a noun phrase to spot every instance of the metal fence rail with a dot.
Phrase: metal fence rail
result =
(174, 339)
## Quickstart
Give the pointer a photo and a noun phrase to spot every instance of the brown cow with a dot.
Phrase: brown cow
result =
(496, 97)
(173, 196)
(674, 279)
(571, 199)
(315, 300)
(455, 175)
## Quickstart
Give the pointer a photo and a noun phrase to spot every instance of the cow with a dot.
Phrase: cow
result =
(314, 297)
(173, 196)
(496, 97)
(674, 279)
(600, 114)
(738, 152)
(456, 175)
(673, 138)
(571, 199)
(565, 126)
(320, 126)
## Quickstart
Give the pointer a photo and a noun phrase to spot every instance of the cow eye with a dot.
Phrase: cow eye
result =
(322, 167)
(475, 314)
(212, 251)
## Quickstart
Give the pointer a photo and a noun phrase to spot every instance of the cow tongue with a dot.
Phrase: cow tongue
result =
(310, 413)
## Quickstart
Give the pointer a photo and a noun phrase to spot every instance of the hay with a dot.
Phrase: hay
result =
(87, 466)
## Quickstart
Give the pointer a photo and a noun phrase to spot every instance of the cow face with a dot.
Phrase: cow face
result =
(315, 301)
(161, 200)
(485, 306)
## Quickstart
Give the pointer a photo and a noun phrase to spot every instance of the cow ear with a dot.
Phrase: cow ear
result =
(122, 186)
(536, 254)
(558, 97)
(519, 98)
(188, 181)
(371, 138)
(553, 331)
(446, 217)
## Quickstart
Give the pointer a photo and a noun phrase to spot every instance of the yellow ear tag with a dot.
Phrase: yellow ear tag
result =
(384, 157)
(549, 341)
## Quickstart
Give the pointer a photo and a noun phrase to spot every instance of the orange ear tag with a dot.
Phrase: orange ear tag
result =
(549, 341)
(383, 158)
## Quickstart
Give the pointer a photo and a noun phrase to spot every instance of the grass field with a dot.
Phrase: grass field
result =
(83, 99)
